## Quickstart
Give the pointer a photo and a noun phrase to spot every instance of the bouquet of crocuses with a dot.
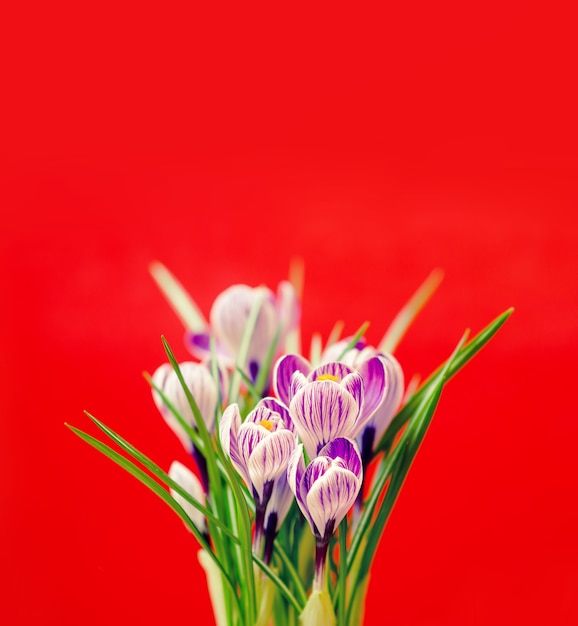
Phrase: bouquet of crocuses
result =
(299, 460)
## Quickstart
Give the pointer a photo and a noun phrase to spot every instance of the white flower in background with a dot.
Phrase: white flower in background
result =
(229, 314)
(192, 485)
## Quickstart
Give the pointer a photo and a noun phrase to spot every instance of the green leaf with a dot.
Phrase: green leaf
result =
(245, 345)
(353, 341)
(396, 467)
(180, 301)
(404, 319)
(164, 495)
(464, 356)
(158, 472)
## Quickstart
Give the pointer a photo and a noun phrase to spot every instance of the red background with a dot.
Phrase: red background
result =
(376, 144)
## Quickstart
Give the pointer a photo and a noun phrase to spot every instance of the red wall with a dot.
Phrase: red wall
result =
(375, 144)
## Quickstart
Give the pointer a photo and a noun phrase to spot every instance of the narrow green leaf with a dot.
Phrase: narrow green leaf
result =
(280, 584)
(179, 300)
(294, 575)
(409, 312)
(191, 432)
(464, 356)
(158, 472)
(164, 495)
(245, 345)
(353, 341)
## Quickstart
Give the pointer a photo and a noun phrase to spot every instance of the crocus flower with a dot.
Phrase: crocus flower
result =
(200, 382)
(260, 448)
(377, 425)
(206, 394)
(190, 483)
(330, 401)
(229, 314)
(325, 491)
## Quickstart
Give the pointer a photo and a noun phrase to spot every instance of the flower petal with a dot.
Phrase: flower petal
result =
(295, 473)
(331, 496)
(190, 483)
(280, 502)
(345, 453)
(200, 383)
(270, 457)
(283, 372)
(373, 373)
(322, 411)
(229, 426)
(272, 404)
(334, 369)
(393, 396)
(229, 315)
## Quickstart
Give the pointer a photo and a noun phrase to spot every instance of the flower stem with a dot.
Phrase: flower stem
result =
(321, 546)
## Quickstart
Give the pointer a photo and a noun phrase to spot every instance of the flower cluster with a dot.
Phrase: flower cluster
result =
(282, 445)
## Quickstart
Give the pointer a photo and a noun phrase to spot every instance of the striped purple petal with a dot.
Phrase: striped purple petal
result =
(330, 497)
(283, 372)
(336, 371)
(330, 485)
(345, 453)
(272, 404)
(322, 411)
(295, 473)
(393, 397)
(374, 379)
(229, 426)
(270, 457)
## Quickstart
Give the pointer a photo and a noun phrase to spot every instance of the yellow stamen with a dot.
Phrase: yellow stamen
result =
(328, 377)
(266, 424)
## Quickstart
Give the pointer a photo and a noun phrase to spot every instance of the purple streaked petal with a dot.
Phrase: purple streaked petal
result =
(393, 396)
(270, 457)
(295, 473)
(330, 497)
(354, 384)
(374, 378)
(298, 381)
(345, 453)
(322, 411)
(272, 404)
(280, 502)
(334, 369)
(283, 372)
(229, 426)
(249, 437)
(198, 344)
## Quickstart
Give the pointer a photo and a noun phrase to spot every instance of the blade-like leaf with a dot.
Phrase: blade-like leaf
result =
(409, 312)
(465, 354)
(353, 341)
(179, 300)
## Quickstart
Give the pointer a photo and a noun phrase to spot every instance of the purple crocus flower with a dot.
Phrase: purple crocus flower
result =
(260, 448)
(325, 490)
(229, 313)
(330, 401)
(377, 425)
